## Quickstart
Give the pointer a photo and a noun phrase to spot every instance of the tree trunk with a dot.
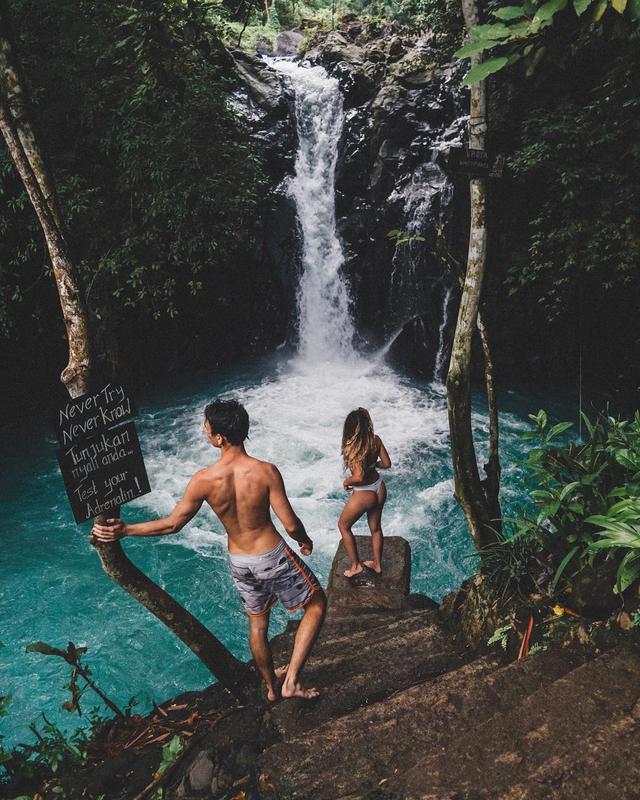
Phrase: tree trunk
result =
(231, 673)
(76, 376)
(11, 85)
(469, 489)
(492, 468)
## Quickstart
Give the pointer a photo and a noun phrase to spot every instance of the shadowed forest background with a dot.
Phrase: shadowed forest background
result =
(166, 197)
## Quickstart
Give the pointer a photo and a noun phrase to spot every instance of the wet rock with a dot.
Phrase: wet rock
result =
(592, 589)
(416, 345)
(265, 102)
(201, 772)
(288, 42)
(395, 48)
(389, 590)
(375, 53)
(416, 68)
(261, 83)
(336, 47)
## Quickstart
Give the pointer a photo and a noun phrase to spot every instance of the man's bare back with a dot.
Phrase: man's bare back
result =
(241, 490)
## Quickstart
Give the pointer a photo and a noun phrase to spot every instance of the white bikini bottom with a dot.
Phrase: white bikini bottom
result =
(370, 487)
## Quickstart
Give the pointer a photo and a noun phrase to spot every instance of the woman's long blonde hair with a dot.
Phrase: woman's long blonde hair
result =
(358, 439)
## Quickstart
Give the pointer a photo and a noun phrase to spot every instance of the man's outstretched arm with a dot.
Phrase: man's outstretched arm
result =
(186, 509)
(287, 516)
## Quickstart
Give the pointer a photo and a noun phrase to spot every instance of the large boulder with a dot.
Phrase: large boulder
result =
(369, 591)
(288, 42)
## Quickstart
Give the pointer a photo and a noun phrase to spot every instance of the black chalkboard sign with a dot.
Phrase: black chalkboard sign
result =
(93, 412)
(103, 472)
(475, 163)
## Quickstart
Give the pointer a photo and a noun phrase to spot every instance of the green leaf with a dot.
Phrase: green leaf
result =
(563, 565)
(628, 572)
(45, 649)
(540, 418)
(561, 427)
(568, 489)
(634, 9)
(485, 69)
(496, 31)
(580, 6)
(599, 9)
(619, 5)
(471, 48)
(549, 9)
(509, 12)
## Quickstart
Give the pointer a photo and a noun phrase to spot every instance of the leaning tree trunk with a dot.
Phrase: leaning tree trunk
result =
(76, 376)
(469, 489)
(492, 468)
(12, 91)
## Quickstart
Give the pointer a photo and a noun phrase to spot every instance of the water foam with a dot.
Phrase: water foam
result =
(324, 320)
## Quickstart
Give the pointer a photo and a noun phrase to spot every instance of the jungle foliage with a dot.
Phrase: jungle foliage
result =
(157, 178)
(565, 255)
(587, 492)
(515, 32)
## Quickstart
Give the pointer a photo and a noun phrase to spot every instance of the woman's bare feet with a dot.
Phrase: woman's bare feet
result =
(377, 568)
(295, 689)
(274, 694)
(353, 570)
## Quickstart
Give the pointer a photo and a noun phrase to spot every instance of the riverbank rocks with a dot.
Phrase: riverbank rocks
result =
(369, 591)
(288, 42)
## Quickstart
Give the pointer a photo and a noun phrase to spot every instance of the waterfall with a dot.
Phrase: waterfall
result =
(325, 326)
(442, 343)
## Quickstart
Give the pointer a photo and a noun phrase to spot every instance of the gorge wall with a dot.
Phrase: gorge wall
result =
(395, 204)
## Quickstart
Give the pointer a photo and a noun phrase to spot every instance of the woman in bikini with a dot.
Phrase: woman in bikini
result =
(364, 454)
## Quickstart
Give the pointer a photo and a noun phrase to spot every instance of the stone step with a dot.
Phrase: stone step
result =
(603, 766)
(379, 742)
(339, 636)
(509, 748)
(349, 675)
(370, 591)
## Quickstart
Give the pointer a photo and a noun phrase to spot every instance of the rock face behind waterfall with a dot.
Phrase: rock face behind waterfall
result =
(266, 105)
(403, 110)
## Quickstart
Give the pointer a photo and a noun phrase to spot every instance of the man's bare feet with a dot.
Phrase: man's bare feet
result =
(349, 573)
(281, 673)
(295, 689)
(373, 565)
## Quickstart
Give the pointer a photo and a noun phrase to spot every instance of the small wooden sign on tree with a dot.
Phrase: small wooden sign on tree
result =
(464, 160)
(100, 459)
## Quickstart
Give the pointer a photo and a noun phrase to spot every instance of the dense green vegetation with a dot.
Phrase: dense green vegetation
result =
(158, 182)
(564, 261)
(587, 492)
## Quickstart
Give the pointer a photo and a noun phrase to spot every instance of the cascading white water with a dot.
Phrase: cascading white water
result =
(442, 344)
(324, 319)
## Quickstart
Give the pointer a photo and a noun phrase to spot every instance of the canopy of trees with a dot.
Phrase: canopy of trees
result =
(157, 181)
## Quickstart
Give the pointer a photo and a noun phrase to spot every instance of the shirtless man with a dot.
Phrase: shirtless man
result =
(240, 489)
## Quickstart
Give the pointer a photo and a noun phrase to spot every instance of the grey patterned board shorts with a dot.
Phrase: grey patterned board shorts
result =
(265, 579)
